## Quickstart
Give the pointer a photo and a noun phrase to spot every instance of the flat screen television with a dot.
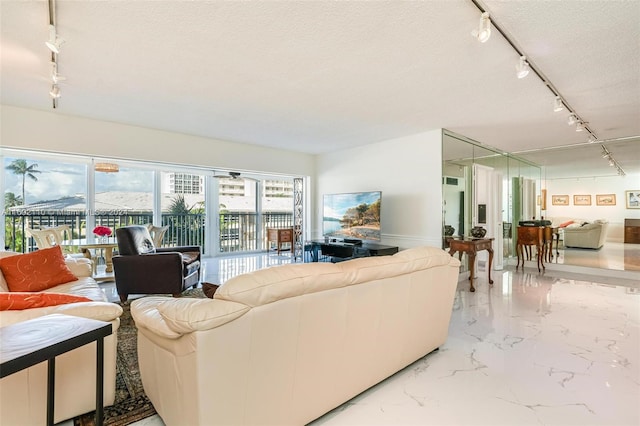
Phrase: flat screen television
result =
(353, 215)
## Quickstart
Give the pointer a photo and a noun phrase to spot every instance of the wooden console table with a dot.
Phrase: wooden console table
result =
(27, 343)
(279, 236)
(471, 246)
(531, 236)
(549, 234)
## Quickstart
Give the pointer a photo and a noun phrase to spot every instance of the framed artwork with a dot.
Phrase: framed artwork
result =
(606, 200)
(560, 200)
(582, 200)
(633, 199)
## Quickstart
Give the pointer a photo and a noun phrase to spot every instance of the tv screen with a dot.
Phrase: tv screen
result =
(353, 216)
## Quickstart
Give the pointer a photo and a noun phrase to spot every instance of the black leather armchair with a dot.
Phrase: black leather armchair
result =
(141, 268)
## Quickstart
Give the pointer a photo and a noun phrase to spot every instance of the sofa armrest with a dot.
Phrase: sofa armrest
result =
(80, 267)
(171, 317)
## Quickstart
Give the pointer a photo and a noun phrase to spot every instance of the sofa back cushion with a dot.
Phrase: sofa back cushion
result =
(36, 271)
(281, 282)
(134, 240)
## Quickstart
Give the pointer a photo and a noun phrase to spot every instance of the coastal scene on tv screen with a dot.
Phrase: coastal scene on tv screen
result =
(352, 215)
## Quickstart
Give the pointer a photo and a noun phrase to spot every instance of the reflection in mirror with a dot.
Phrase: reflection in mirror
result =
(519, 181)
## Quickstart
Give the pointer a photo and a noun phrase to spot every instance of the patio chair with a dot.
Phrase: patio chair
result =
(157, 233)
(142, 268)
(55, 236)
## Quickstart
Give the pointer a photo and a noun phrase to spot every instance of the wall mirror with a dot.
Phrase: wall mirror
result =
(482, 186)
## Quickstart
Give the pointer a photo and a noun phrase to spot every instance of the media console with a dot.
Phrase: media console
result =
(343, 251)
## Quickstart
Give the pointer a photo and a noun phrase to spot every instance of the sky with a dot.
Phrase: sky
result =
(58, 180)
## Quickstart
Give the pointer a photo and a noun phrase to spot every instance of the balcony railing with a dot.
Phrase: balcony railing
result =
(237, 231)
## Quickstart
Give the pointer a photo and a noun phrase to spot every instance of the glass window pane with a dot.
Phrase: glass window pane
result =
(41, 193)
(183, 209)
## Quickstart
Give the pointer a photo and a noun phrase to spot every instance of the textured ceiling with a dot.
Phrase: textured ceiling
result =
(324, 75)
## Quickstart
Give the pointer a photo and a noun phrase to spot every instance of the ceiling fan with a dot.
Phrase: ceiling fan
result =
(233, 176)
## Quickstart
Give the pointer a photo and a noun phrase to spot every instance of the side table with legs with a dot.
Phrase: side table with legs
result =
(471, 246)
(27, 343)
(531, 236)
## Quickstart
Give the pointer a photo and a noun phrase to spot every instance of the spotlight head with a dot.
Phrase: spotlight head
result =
(557, 104)
(522, 69)
(55, 77)
(591, 138)
(54, 41)
(484, 28)
(580, 126)
(571, 120)
(55, 91)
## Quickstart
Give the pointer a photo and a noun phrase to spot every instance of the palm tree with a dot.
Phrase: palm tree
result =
(10, 200)
(20, 167)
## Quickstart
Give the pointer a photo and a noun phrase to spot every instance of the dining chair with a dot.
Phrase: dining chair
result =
(157, 233)
(55, 236)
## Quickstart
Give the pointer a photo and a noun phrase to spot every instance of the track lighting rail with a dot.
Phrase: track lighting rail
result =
(536, 71)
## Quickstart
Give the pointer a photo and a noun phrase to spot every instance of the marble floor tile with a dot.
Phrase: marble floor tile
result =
(534, 348)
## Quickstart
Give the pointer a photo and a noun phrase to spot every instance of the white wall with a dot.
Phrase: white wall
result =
(407, 170)
(615, 215)
(53, 131)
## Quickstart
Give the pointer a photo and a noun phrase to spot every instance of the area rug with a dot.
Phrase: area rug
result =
(131, 403)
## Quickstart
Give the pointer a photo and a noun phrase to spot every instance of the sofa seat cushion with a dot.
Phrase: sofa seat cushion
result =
(12, 301)
(85, 287)
(36, 271)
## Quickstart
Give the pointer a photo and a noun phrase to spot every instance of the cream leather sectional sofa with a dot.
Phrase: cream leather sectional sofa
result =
(23, 395)
(588, 235)
(286, 344)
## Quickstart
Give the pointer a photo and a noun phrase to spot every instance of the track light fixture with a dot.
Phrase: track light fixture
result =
(55, 77)
(580, 126)
(591, 138)
(612, 161)
(53, 44)
(522, 69)
(54, 41)
(55, 91)
(557, 104)
(484, 28)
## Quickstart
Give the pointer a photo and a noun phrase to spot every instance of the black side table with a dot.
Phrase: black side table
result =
(31, 342)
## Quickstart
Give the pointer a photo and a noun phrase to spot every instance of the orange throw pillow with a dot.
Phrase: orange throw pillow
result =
(36, 271)
(565, 224)
(13, 301)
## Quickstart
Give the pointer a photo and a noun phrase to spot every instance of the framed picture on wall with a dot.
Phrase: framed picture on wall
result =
(633, 199)
(606, 200)
(560, 200)
(582, 200)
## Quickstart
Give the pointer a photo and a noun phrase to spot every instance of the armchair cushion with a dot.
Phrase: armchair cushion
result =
(134, 240)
